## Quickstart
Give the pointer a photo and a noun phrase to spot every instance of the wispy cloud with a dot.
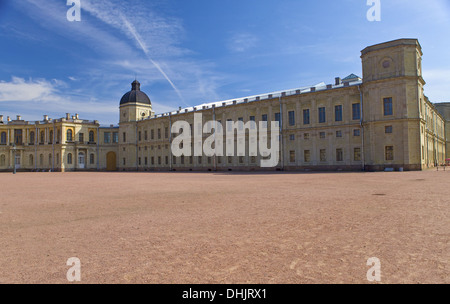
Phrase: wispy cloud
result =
(242, 42)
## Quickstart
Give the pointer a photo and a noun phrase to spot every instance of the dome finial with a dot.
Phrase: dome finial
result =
(135, 86)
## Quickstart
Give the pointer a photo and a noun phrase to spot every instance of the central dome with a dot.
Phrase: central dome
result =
(135, 95)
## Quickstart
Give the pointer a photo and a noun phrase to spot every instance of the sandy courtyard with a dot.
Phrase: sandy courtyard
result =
(225, 227)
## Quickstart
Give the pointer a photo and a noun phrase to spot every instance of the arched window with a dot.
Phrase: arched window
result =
(42, 137)
(31, 160)
(51, 137)
(3, 138)
(32, 135)
(91, 137)
(69, 135)
(2, 160)
(69, 158)
(92, 159)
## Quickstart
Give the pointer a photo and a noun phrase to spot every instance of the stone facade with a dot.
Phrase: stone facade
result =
(381, 121)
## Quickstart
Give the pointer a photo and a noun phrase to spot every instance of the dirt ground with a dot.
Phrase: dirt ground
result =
(225, 228)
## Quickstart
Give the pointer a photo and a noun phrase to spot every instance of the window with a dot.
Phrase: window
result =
(166, 132)
(339, 155)
(124, 137)
(278, 117)
(307, 156)
(69, 136)
(31, 160)
(322, 135)
(139, 136)
(159, 133)
(124, 161)
(199, 159)
(81, 137)
(264, 120)
(152, 134)
(387, 104)
(159, 160)
(292, 156)
(41, 159)
(292, 137)
(43, 137)
(338, 113)
(389, 153)
(18, 137)
(323, 155)
(107, 137)
(357, 154)
(339, 133)
(306, 119)
(3, 138)
(152, 160)
(291, 118)
(322, 115)
(252, 118)
(116, 137)
(209, 160)
(91, 136)
(146, 161)
(230, 159)
(32, 135)
(69, 159)
(167, 160)
(174, 160)
(2, 160)
(356, 132)
(306, 136)
(253, 159)
(356, 111)
(92, 158)
(58, 136)
(241, 159)
(145, 135)
(388, 129)
(51, 137)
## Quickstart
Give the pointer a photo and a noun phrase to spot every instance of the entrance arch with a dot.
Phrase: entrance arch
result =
(111, 161)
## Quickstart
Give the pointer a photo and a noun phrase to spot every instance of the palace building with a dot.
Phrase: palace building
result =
(380, 121)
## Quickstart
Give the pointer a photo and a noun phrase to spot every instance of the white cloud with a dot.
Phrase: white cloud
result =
(242, 42)
(21, 90)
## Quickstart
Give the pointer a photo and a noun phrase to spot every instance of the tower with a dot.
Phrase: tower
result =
(134, 106)
(393, 104)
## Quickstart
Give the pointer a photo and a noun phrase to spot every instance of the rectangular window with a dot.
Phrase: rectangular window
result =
(306, 136)
(116, 137)
(291, 118)
(146, 161)
(356, 132)
(307, 156)
(323, 155)
(339, 155)
(145, 135)
(152, 134)
(81, 137)
(153, 160)
(159, 160)
(306, 120)
(388, 129)
(357, 154)
(124, 137)
(159, 133)
(322, 115)
(387, 104)
(292, 156)
(124, 161)
(241, 159)
(199, 159)
(338, 133)
(166, 132)
(338, 113)
(278, 117)
(356, 111)
(107, 138)
(140, 136)
(252, 118)
(389, 153)
(230, 159)
(292, 137)
(167, 160)
(253, 159)
(322, 135)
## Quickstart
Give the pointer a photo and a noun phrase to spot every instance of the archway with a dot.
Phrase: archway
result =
(111, 164)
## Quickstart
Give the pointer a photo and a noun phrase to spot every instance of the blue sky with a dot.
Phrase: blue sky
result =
(187, 53)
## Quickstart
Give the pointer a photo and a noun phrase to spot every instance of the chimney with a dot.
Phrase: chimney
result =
(76, 116)
(338, 80)
(19, 117)
(67, 116)
(45, 117)
(1, 118)
(8, 119)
